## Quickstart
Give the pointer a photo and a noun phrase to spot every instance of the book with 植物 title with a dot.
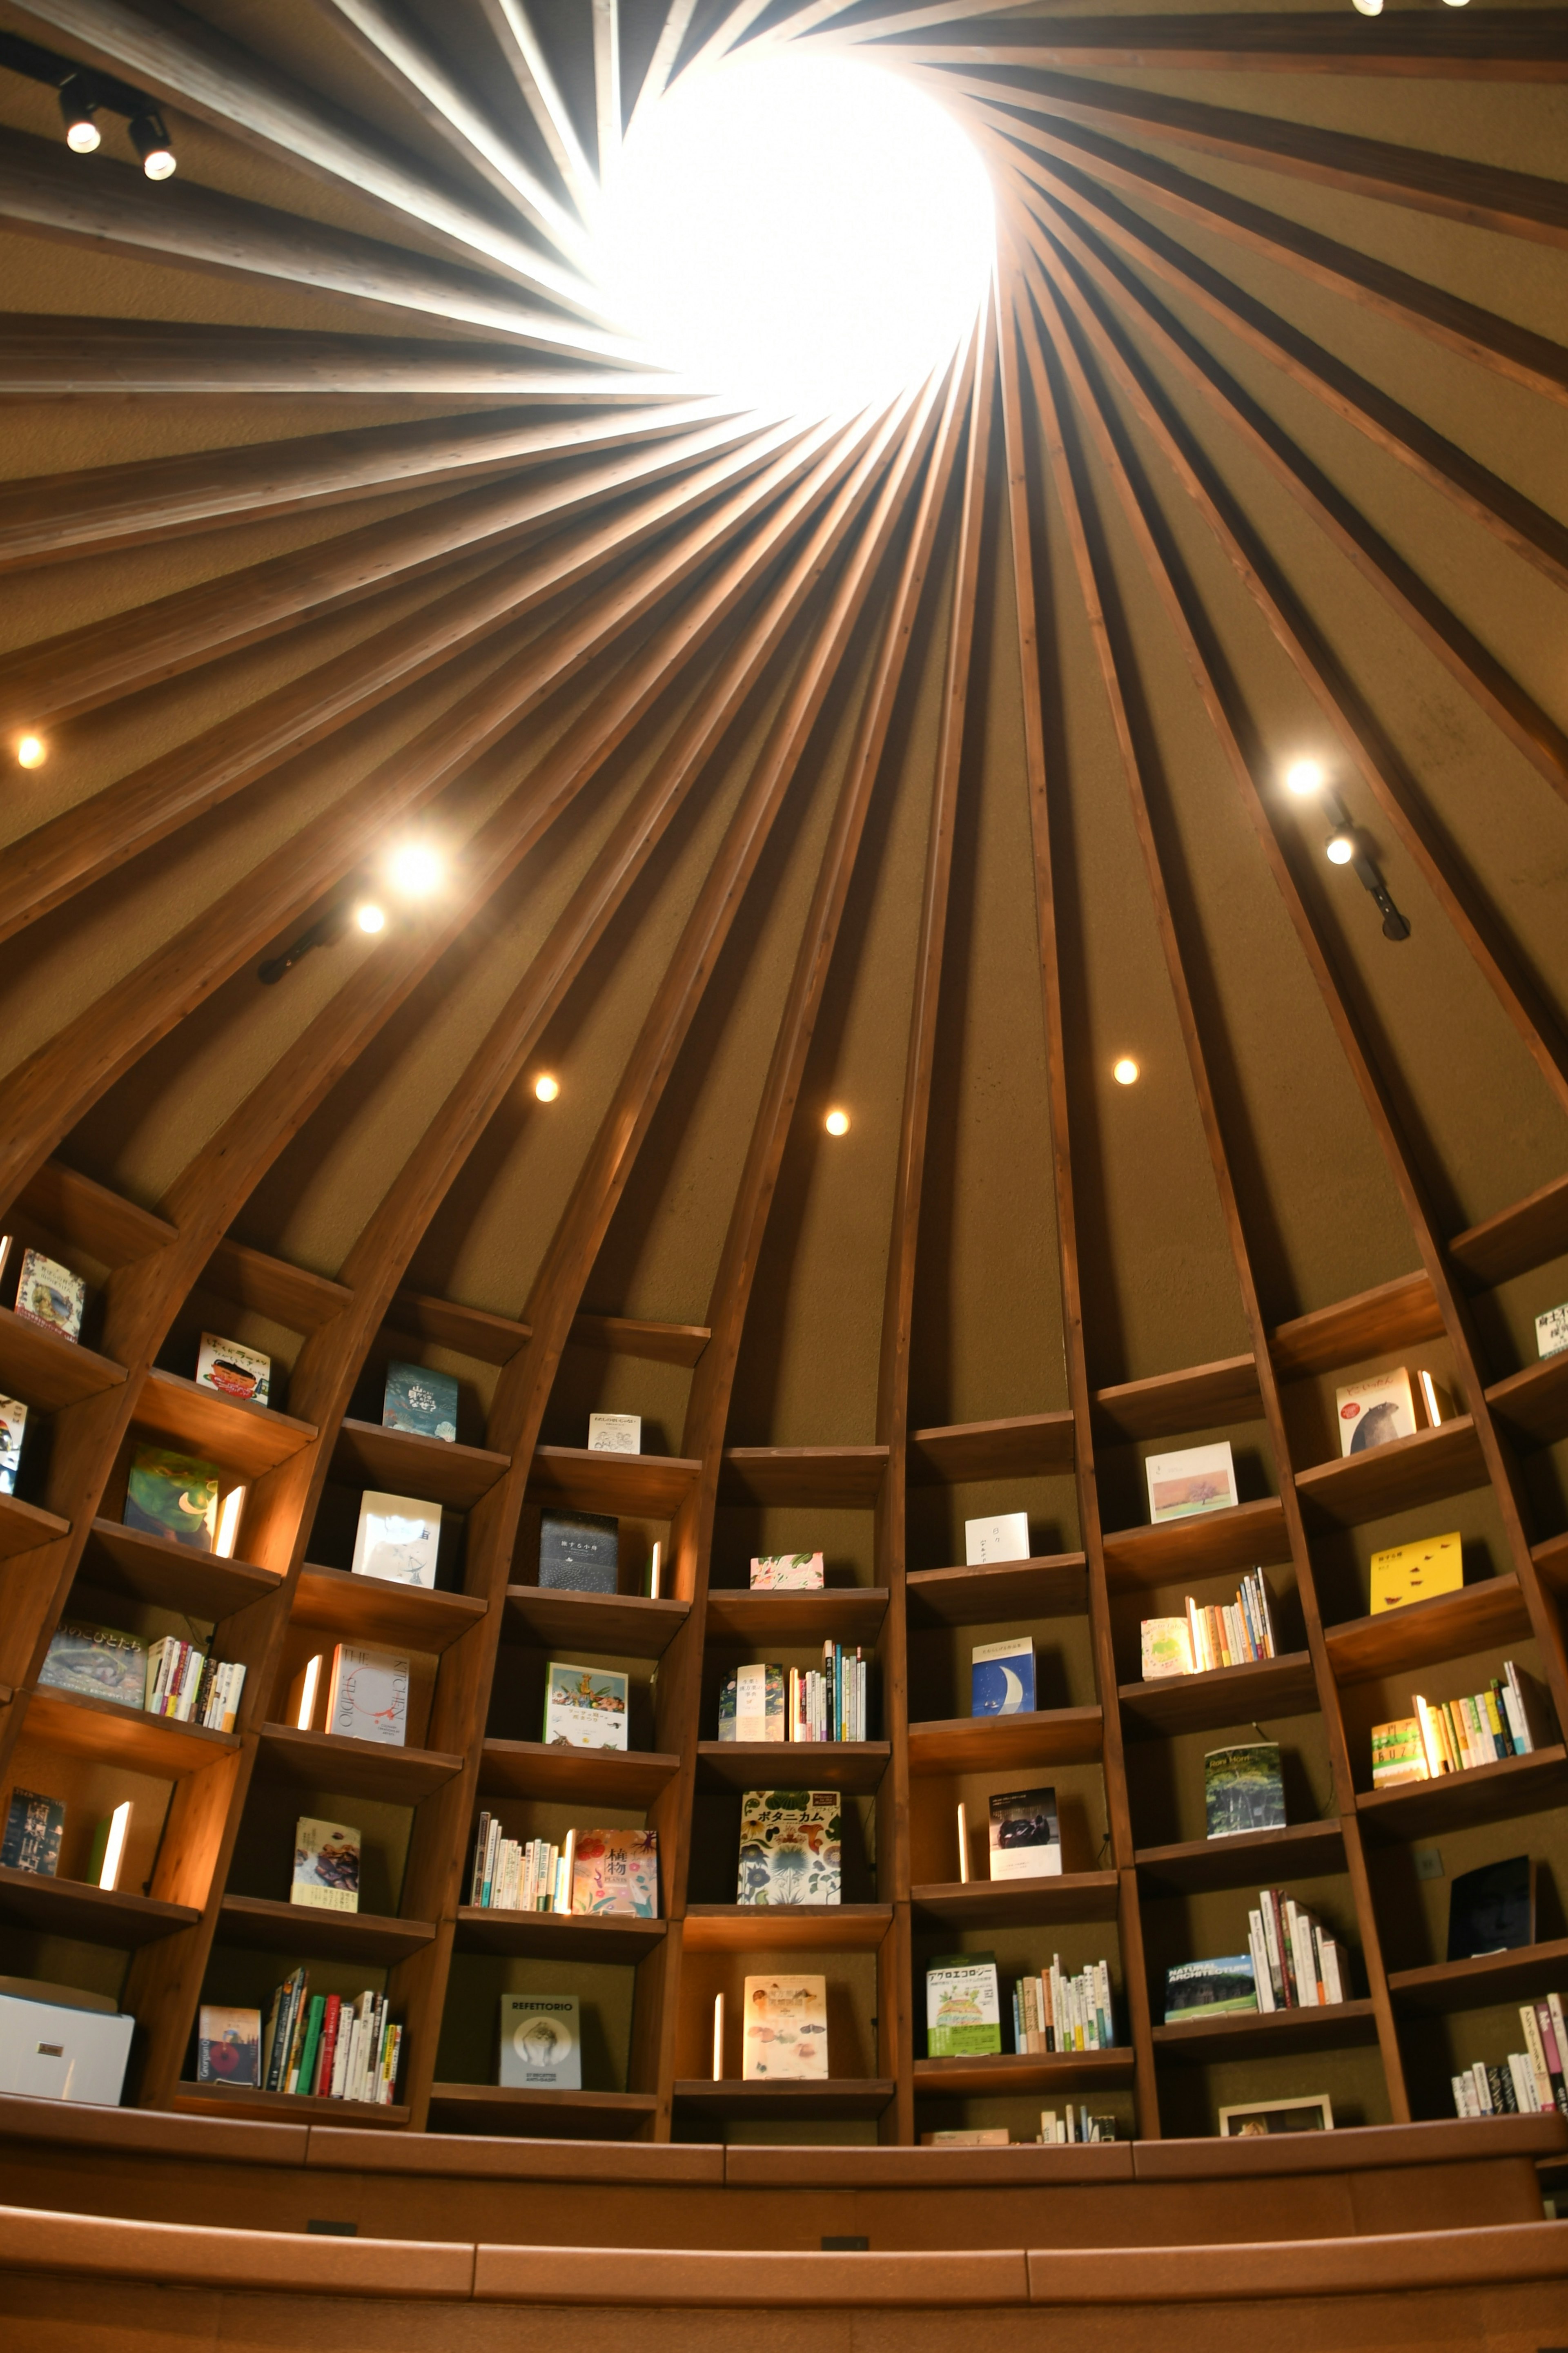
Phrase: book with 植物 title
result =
(173, 1495)
(790, 1850)
(784, 2029)
(964, 2006)
(584, 1707)
(326, 1865)
(617, 1871)
(420, 1401)
(50, 1296)
(97, 1662)
(1001, 1677)
(540, 2042)
(233, 1371)
(1244, 1788)
(368, 1697)
(1024, 1836)
(398, 1539)
(578, 1552)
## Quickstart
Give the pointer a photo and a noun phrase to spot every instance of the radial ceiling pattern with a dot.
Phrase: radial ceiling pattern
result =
(923, 763)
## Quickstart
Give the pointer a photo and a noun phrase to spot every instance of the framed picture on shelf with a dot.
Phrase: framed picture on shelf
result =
(1256, 2117)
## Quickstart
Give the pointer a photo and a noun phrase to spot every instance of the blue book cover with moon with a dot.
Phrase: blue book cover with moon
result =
(1003, 1677)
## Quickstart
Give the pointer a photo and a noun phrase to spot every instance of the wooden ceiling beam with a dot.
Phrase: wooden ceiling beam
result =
(524, 53)
(1500, 45)
(607, 82)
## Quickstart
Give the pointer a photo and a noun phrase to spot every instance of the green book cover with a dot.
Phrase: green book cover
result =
(964, 2006)
(1243, 1789)
(312, 2038)
(173, 1495)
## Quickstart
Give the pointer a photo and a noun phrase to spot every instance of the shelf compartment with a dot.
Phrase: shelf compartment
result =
(359, 1768)
(607, 1776)
(24, 1527)
(618, 1938)
(124, 1736)
(1551, 1560)
(1534, 1403)
(639, 1486)
(1524, 1235)
(1397, 1314)
(1052, 1586)
(816, 2102)
(290, 1295)
(1202, 1397)
(830, 1477)
(1516, 1976)
(1484, 1793)
(1221, 1695)
(46, 1369)
(247, 1440)
(172, 1576)
(851, 1614)
(786, 1928)
(1018, 1903)
(1006, 1744)
(93, 1916)
(1447, 1627)
(404, 1462)
(1243, 1536)
(1399, 1477)
(375, 1609)
(494, 2108)
(88, 1217)
(283, 2107)
(605, 1625)
(466, 1331)
(1000, 2072)
(1249, 1859)
(853, 1766)
(1022, 1447)
(1264, 2034)
(254, 1920)
(630, 1335)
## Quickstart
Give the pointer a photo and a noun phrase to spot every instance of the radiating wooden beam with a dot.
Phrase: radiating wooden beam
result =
(667, 49)
(606, 81)
(1499, 45)
(525, 56)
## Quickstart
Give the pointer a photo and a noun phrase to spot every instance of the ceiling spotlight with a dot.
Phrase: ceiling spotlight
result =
(1304, 776)
(150, 138)
(82, 133)
(31, 751)
(1339, 848)
(370, 917)
(1124, 1072)
(546, 1088)
(1370, 7)
(837, 1122)
(416, 871)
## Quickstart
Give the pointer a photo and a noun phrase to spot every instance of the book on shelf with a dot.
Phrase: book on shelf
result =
(1397, 1753)
(1218, 1988)
(617, 1871)
(1551, 1331)
(790, 1846)
(326, 1865)
(50, 1295)
(1196, 1479)
(1509, 1718)
(1530, 2082)
(1375, 1411)
(964, 2006)
(173, 1495)
(1211, 1634)
(784, 2031)
(578, 1552)
(420, 1401)
(1415, 1572)
(615, 1433)
(1005, 1536)
(1492, 1910)
(184, 1684)
(765, 1702)
(228, 2046)
(1074, 2124)
(520, 1875)
(1164, 1648)
(33, 1827)
(787, 1572)
(981, 2136)
(1243, 1789)
(233, 1371)
(1295, 1963)
(751, 1704)
(97, 1663)
(13, 1425)
(584, 1707)
(540, 2042)
(1025, 1834)
(398, 1538)
(1057, 2010)
(367, 1695)
(1001, 1677)
(1262, 2119)
(331, 2046)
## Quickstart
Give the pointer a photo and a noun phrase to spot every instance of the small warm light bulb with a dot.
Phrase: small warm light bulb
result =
(1304, 776)
(837, 1122)
(546, 1088)
(31, 751)
(1370, 7)
(370, 917)
(1124, 1072)
(416, 871)
(84, 138)
(1341, 847)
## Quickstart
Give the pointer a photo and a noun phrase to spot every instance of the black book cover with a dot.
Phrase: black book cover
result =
(1492, 1910)
(578, 1552)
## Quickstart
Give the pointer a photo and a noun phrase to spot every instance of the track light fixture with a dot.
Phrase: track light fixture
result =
(150, 138)
(85, 94)
(1344, 846)
(1339, 848)
(78, 105)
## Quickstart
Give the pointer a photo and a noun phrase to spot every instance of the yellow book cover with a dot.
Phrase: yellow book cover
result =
(1415, 1572)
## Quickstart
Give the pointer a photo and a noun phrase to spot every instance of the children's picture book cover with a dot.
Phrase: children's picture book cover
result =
(1374, 1413)
(785, 2034)
(790, 1846)
(1244, 1788)
(540, 2042)
(584, 1707)
(1025, 1834)
(50, 1296)
(1210, 1989)
(368, 1697)
(617, 1871)
(964, 2006)
(1492, 1910)
(33, 1827)
(787, 1572)
(13, 1423)
(1198, 1479)
(1398, 1753)
(326, 1865)
(1166, 1647)
(751, 1704)
(578, 1552)
(615, 1433)
(1001, 1677)
(234, 1371)
(228, 2046)
(398, 1538)
(97, 1662)
(1004, 1537)
(1415, 1572)
(422, 1401)
(173, 1495)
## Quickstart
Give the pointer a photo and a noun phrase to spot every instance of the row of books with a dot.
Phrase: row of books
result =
(1218, 1634)
(1054, 2012)
(101, 1663)
(320, 2046)
(1507, 1719)
(185, 1684)
(595, 1871)
(759, 1703)
(1296, 1964)
(1529, 2081)
(1073, 2125)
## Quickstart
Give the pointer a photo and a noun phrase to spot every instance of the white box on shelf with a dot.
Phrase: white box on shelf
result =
(50, 2052)
(1006, 1537)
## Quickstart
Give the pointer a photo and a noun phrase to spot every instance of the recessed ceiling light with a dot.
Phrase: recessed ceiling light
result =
(417, 869)
(370, 917)
(546, 1088)
(1124, 1072)
(31, 751)
(837, 1122)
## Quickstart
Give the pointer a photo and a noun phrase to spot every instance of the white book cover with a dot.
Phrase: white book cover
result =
(540, 2042)
(1370, 1413)
(367, 1698)
(13, 1422)
(1551, 1332)
(615, 1433)
(233, 1371)
(398, 1539)
(1199, 1478)
(785, 2028)
(1006, 1538)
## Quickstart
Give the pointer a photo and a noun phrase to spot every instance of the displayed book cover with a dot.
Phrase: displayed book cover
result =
(1398, 1753)
(540, 2042)
(1551, 1332)
(170, 1494)
(228, 2046)
(233, 1371)
(1210, 1989)
(785, 2030)
(1199, 1478)
(1243, 1789)
(398, 1538)
(964, 2006)
(1415, 1572)
(420, 1400)
(50, 1295)
(617, 1871)
(584, 1707)
(787, 1572)
(1166, 1645)
(1001, 1677)
(790, 1851)
(615, 1433)
(1006, 1537)
(1025, 1838)
(368, 1697)
(578, 1552)
(1492, 1910)
(751, 1704)
(97, 1662)
(13, 1422)
(1373, 1412)
(326, 1865)
(979, 2136)
(33, 1827)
